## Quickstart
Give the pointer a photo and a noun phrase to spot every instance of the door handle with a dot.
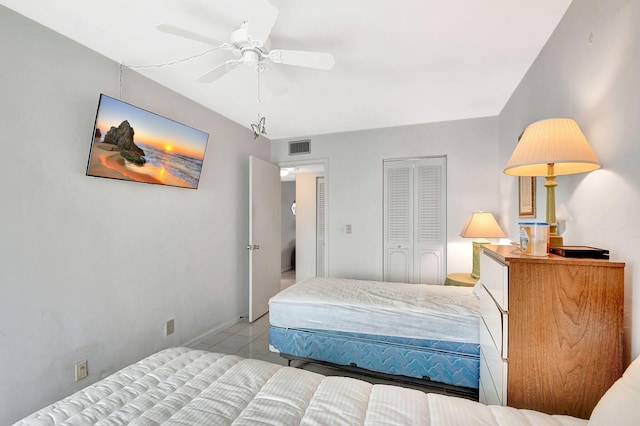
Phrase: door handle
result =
(253, 247)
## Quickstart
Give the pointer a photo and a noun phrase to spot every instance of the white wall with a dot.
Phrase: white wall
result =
(589, 71)
(354, 187)
(91, 268)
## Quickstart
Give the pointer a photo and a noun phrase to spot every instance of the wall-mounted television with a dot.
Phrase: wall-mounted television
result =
(131, 143)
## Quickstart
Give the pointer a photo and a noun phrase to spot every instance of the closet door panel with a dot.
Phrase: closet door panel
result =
(427, 267)
(398, 221)
(398, 265)
(430, 231)
(414, 220)
(320, 228)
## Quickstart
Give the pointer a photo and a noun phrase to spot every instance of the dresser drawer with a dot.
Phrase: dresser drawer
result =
(495, 277)
(493, 369)
(495, 320)
(487, 393)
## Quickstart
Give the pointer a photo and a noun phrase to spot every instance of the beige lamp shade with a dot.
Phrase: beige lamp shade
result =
(557, 141)
(482, 225)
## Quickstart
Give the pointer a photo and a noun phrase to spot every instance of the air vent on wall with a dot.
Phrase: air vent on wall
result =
(300, 147)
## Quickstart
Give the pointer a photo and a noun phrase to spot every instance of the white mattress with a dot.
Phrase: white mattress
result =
(184, 387)
(417, 311)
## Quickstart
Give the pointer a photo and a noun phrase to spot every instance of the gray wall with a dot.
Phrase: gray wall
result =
(91, 268)
(589, 71)
(354, 185)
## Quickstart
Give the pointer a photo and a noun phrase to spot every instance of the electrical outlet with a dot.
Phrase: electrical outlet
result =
(169, 327)
(81, 370)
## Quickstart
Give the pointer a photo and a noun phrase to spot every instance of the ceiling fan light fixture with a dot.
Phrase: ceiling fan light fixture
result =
(250, 57)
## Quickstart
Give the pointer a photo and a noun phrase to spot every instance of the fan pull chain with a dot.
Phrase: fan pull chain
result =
(259, 127)
(258, 73)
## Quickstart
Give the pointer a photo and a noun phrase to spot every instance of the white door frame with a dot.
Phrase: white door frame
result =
(325, 165)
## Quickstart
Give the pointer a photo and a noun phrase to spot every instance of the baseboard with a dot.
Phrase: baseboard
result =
(212, 332)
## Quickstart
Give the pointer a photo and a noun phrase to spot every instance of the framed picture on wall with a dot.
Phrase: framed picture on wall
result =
(131, 143)
(526, 196)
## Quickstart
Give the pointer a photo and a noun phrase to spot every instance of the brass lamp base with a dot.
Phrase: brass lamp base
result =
(477, 249)
(555, 241)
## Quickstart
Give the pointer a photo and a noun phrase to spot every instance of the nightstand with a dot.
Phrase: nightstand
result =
(461, 279)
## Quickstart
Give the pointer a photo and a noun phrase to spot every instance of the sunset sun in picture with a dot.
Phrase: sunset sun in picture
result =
(168, 148)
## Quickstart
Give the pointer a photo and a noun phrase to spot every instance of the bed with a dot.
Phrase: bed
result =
(191, 387)
(414, 332)
(181, 386)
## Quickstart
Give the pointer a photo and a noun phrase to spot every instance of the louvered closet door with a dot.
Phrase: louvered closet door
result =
(320, 230)
(398, 220)
(414, 220)
(429, 224)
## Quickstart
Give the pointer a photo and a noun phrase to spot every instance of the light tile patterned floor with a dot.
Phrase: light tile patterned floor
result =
(252, 341)
(243, 339)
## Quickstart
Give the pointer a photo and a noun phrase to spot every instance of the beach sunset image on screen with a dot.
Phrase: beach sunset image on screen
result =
(131, 143)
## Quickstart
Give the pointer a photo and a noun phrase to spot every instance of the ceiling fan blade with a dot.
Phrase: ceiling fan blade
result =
(170, 29)
(274, 82)
(318, 60)
(219, 71)
(262, 18)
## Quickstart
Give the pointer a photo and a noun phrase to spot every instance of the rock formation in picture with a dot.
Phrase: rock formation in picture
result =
(122, 138)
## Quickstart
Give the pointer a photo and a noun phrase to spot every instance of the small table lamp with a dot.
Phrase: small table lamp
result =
(481, 225)
(549, 148)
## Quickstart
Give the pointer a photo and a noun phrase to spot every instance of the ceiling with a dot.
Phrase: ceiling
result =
(396, 62)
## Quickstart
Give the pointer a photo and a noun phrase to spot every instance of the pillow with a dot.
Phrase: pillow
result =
(620, 405)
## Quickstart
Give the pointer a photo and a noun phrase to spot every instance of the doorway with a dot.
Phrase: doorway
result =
(304, 219)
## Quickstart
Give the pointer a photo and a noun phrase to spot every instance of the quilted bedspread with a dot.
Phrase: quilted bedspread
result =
(180, 386)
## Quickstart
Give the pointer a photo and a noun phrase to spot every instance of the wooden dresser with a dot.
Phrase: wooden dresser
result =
(551, 330)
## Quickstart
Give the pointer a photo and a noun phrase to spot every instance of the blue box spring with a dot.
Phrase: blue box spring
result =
(451, 363)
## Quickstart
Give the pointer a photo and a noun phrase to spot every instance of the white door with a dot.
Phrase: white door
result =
(320, 228)
(264, 235)
(429, 231)
(398, 221)
(415, 220)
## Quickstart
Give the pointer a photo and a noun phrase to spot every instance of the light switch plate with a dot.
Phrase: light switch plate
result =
(169, 327)
(81, 370)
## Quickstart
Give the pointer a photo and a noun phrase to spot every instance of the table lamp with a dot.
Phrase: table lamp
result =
(549, 148)
(481, 225)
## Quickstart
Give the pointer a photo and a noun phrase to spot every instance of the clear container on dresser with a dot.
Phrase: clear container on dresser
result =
(551, 330)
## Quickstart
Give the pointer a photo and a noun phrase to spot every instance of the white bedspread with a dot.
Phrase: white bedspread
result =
(190, 387)
(392, 309)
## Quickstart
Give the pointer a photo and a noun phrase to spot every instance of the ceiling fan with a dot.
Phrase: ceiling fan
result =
(251, 45)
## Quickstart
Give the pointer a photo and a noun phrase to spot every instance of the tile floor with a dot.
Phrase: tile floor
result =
(252, 341)
(287, 278)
